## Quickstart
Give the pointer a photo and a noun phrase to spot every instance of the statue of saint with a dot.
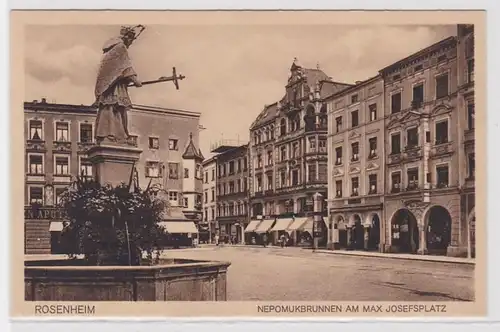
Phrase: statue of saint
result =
(111, 90)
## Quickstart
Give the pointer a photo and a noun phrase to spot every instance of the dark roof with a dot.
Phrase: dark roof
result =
(353, 87)
(268, 113)
(191, 152)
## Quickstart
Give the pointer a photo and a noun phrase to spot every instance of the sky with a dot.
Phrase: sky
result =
(231, 72)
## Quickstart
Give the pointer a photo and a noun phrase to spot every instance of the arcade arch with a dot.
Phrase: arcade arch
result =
(438, 230)
(404, 232)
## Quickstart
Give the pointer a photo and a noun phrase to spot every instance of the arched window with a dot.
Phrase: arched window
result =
(272, 132)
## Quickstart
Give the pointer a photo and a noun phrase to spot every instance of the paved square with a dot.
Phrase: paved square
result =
(293, 274)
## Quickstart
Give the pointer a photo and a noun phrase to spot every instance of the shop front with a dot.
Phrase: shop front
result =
(262, 231)
(279, 233)
(179, 233)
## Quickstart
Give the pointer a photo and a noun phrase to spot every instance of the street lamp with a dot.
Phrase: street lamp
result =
(318, 216)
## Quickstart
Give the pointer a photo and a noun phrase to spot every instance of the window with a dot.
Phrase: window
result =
(471, 115)
(442, 132)
(62, 131)
(470, 70)
(396, 103)
(338, 188)
(36, 195)
(355, 186)
(418, 95)
(36, 130)
(259, 161)
(338, 155)
(396, 143)
(212, 214)
(58, 193)
(133, 140)
(205, 196)
(354, 99)
(213, 174)
(85, 167)
(282, 127)
(354, 119)
(154, 143)
(396, 182)
(85, 132)
(283, 153)
(312, 173)
(412, 137)
(173, 144)
(245, 164)
(442, 176)
(269, 157)
(269, 182)
(231, 187)
(295, 150)
(186, 173)
(36, 164)
(312, 144)
(62, 165)
(245, 184)
(295, 177)
(173, 197)
(372, 181)
(322, 145)
(372, 143)
(212, 198)
(153, 169)
(205, 178)
(412, 175)
(258, 183)
(173, 170)
(355, 151)
(283, 179)
(373, 112)
(471, 158)
(441, 86)
(323, 172)
(338, 124)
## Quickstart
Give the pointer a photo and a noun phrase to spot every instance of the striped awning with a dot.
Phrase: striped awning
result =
(179, 227)
(297, 223)
(252, 225)
(264, 226)
(282, 224)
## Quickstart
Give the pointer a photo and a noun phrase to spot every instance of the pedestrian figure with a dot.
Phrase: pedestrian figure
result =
(282, 240)
(216, 239)
(264, 240)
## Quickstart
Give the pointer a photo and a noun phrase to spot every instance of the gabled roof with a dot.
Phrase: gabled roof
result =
(191, 152)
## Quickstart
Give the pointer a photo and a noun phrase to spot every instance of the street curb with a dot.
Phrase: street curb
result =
(389, 256)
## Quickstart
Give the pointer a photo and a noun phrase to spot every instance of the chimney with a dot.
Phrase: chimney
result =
(44, 100)
(358, 82)
(35, 101)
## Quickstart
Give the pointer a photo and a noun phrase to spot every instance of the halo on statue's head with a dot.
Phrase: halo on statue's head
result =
(126, 31)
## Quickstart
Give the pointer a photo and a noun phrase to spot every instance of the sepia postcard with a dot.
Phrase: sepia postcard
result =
(248, 163)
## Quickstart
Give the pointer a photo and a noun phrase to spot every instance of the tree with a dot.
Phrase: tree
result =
(113, 225)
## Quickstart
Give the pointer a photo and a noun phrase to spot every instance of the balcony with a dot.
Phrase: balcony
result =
(412, 152)
(416, 104)
(442, 150)
(396, 188)
(395, 158)
(355, 158)
(373, 154)
(412, 186)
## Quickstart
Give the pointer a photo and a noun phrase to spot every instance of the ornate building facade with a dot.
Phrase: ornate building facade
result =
(420, 192)
(57, 137)
(288, 148)
(356, 155)
(210, 196)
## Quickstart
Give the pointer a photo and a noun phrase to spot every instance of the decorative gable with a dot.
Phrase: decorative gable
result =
(354, 170)
(372, 166)
(191, 152)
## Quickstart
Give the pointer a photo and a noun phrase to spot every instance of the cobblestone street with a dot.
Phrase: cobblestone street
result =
(293, 274)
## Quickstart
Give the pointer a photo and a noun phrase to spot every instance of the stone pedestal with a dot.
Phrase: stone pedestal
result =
(456, 251)
(112, 164)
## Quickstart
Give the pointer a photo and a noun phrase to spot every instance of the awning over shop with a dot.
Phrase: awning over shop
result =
(264, 226)
(179, 227)
(282, 224)
(296, 224)
(307, 226)
(56, 226)
(252, 225)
